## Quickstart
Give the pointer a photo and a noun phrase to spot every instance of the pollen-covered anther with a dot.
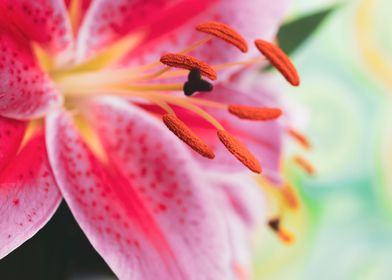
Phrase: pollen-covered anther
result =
(182, 131)
(300, 138)
(304, 164)
(279, 60)
(225, 33)
(289, 196)
(189, 62)
(239, 151)
(255, 113)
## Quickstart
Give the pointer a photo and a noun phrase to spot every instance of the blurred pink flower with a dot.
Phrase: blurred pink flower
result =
(151, 207)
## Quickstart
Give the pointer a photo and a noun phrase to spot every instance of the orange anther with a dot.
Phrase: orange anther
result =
(239, 151)
(187, 135)
(279, 60)
(254, 113)
(306, 165)
(189, 62)
(225, 33)
(290, 196)
(299, 137)
(285, 236)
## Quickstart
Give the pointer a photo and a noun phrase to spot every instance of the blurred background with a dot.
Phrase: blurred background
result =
(343, 228)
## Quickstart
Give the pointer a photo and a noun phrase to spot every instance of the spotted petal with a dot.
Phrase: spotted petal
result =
(11, 135)
(169, 26)
(146, 209)
(28, 195)
(44, 22)
(25, 90)
(108, 21)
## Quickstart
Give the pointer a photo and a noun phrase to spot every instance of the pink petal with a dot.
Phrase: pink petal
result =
(25, 90)
(28, 195)
(239, 228)
(251, 18)
(147, 210)
(244, 195)
(44, 21)
(11, 135)
(263, 138)
(107, 21)
(240, 242)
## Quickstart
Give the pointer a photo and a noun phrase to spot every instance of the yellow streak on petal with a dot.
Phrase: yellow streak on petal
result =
(32, 127)
(74, 14)
(43, 58)
(91, 138)
(111, 54)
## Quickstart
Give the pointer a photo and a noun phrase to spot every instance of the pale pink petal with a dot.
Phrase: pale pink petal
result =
(147, 210)
(11, 135)
(240, 243)
(44, 21)
(238, 226)
(107, 21)
(243, 193)
(28, 195)
(25, 90)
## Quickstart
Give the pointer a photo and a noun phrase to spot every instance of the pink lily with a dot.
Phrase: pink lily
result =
(142, 198)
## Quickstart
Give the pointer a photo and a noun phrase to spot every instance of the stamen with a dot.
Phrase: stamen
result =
(189, 62)
(180, 73)
(306, 165)
(299, 137)
(254, 113)
(239, 151)
(284, 235)
(289, 196)
(188, 136)
(274, 224)
(225, 33)
(279, 60)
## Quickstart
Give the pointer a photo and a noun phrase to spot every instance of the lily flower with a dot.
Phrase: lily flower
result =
(93, 111)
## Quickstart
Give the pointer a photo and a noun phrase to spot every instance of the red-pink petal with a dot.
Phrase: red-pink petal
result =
(45, 22)
(25, 90)
(11, 135)
(107, 21)
(147, 211)
(28, 195)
